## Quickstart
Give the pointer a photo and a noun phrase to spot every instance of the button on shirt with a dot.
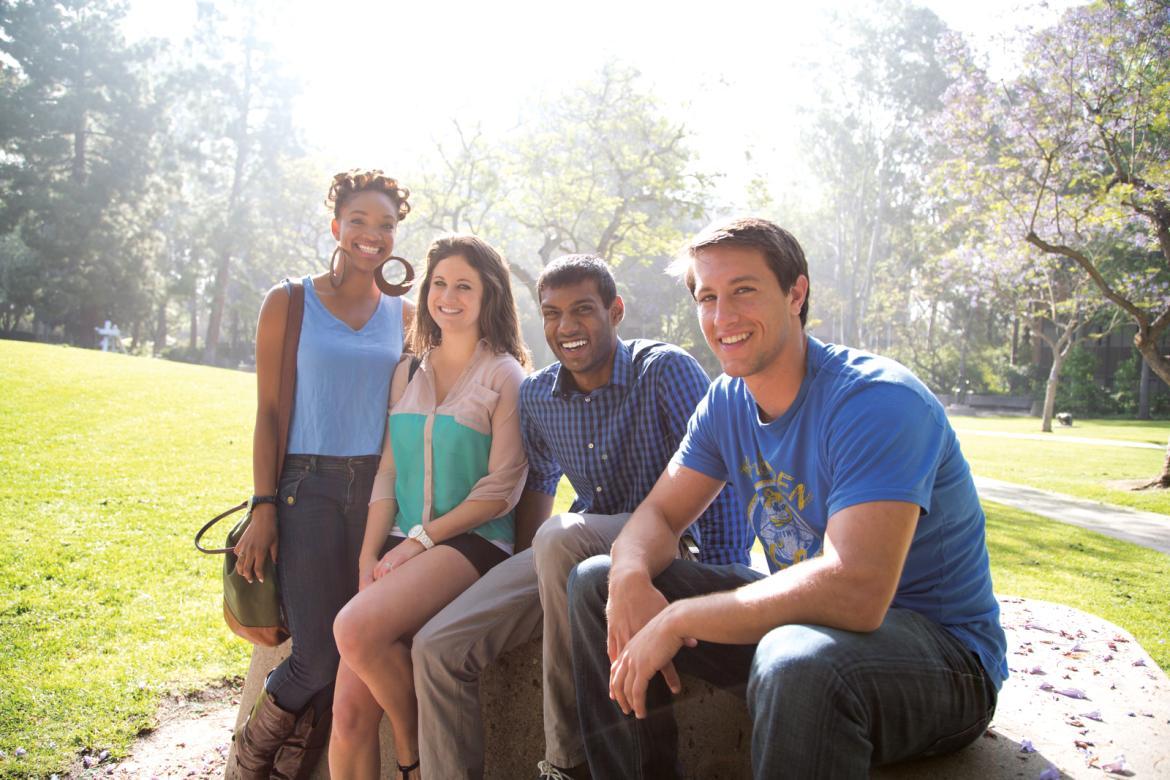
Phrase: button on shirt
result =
(614, 442)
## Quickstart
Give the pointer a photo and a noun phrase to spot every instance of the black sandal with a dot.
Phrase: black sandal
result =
(406, 770)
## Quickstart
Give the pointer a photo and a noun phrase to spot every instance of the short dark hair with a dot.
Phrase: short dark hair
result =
(571, 269)
(349, 183)
(780, 248)
(499, 324)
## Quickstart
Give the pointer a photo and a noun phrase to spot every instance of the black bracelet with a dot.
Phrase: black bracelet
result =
(254, 500)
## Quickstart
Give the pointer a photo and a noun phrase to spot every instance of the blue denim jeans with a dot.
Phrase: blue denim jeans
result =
(824, 702)
(321, 519)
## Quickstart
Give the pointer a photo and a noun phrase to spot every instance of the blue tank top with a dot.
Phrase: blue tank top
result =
(343, 379)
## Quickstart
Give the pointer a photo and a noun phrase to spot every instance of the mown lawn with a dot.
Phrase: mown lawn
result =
(109, 463)
(1038, 558)
(1147, 431)
(1059, 464)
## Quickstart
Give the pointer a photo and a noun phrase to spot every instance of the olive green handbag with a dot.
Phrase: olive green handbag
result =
(252, 609)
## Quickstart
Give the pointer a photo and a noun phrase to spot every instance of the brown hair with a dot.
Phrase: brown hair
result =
(349, 183)
(780, 248)
(499, 324)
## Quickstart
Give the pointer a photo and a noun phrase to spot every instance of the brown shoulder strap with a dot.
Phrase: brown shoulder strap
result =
(288, 369)
(403, 373)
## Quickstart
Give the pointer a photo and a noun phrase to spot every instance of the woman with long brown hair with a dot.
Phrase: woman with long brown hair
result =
(441, 510)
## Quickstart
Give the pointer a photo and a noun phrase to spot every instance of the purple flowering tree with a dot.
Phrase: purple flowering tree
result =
(1073, 156)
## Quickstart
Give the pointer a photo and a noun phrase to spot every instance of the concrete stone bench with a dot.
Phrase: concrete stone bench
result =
(1009, 404)
(1053, 651)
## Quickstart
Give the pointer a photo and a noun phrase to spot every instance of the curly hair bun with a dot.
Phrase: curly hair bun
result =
(348, 183)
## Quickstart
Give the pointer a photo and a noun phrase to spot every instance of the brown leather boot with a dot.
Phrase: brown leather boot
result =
(303, 748)
(265, 730)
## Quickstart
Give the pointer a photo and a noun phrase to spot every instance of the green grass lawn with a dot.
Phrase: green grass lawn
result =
(1148, 431)
(1126, 584)
(1063, 466)
(109, 463)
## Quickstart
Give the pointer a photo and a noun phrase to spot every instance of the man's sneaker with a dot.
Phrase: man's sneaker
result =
(550, 772)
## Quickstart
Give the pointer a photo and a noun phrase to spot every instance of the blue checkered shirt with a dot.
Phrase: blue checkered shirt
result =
(614, 442)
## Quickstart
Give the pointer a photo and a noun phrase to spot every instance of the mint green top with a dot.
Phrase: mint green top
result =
(466, 448)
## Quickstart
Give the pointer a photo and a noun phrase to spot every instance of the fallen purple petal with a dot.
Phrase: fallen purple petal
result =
(102, 756)
(1140, 662)
(1072, 693)
(1078, 648)
(1117, 766)
(1047, 686)
(20, 752)
(1050, 773)
(1037, 670)
(1107, 657)
(89, 761)
(1026, 746)
(1094, 715)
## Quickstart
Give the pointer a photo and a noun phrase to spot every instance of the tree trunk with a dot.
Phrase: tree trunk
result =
(529, 281)
(1050, 392)
(194, 309)
(232, 220)
(1158, 363)
(1015, 353)
(1037, 409)
(1144, 392)
(160, 329)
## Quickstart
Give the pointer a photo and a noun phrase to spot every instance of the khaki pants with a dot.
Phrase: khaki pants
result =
(501, 611)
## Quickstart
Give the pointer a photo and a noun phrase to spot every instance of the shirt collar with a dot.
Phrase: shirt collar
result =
(623, 369)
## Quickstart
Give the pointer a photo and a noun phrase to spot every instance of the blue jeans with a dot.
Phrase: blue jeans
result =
(824, 702)
(321, 520)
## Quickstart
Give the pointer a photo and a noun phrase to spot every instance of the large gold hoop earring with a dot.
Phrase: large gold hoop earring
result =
(402, 287)
(335, 279)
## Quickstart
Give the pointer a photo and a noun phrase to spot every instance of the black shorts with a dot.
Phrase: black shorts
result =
(482, 554)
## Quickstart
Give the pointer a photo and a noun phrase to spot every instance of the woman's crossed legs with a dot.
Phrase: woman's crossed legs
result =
(373, 633)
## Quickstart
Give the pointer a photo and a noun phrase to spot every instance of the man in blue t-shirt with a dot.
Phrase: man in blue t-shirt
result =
(875, 637)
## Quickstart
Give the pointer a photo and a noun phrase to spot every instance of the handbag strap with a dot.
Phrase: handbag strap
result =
(288, 370)
(288, 380)
(207, 527)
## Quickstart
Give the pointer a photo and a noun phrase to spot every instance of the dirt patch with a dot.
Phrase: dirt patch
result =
(191, 740)
(1149, 483)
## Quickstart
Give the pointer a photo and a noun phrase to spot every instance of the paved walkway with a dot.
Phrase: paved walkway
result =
(1145, 528)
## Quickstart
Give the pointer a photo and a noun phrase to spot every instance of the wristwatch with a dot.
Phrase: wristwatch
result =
(254, 500)
(419, 534)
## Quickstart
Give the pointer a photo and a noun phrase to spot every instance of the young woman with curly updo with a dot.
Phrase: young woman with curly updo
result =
(311, 520)
(441, 511)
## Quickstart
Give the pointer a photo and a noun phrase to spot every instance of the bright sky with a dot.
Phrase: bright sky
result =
(384, 79)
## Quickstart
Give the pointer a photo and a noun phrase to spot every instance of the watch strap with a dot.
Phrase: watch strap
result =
(420, 534)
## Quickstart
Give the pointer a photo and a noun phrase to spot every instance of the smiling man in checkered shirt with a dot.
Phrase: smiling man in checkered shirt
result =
(609, 416)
